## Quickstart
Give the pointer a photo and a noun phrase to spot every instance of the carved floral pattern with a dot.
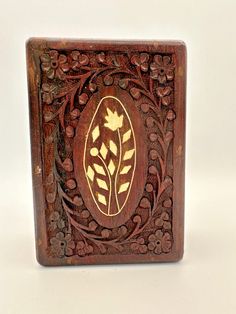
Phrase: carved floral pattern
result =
(141, 61)
(163, 221)
(48, 92)
(54, 64)
(68, 82)
(62, 245)
(56, 221)
(139, 246)
(83, 249)
(159, 242)
(162, 69)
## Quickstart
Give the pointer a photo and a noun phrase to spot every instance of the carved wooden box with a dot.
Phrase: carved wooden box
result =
(108, 140)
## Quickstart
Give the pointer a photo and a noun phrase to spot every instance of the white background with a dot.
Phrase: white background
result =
(204, 281)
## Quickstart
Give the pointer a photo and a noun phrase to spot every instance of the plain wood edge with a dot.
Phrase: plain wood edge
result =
(36, 42)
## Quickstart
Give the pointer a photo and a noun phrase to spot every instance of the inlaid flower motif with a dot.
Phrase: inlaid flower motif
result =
(163, 221)
(114, 121)
(162, 69)
(141, 61)
(83, 249)
(139, 246)
(164, 94)
(78, 60)
(54, 64)
(62, 245)
(159, 242)
(56, 221)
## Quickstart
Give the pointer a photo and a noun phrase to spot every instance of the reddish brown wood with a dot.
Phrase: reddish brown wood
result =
(108, 143)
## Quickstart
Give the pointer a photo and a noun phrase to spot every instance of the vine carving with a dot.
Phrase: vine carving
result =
(69, 80)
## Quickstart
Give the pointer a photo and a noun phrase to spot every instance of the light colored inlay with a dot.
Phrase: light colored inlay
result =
(126, 136)
(123, 187)
(102, 184)
(128, 155)
(125, 170)
(123, 162)
(103, 151)
(95, 133)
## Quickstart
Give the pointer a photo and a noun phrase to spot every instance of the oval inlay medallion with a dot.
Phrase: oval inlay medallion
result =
(108, 149)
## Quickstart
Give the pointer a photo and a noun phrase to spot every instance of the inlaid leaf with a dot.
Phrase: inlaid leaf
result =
(126, 136)
(95, 133)
(125, 169)
(99, 169)
(113, 147)
(102, 184)
(123, 187)
(111, 167)
(103, 151)
(102, 199)
(128, 154)
(90, 173)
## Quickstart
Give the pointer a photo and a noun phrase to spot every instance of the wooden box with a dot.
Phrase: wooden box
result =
(107, 121)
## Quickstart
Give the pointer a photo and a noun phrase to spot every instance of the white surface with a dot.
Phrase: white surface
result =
(204, 282)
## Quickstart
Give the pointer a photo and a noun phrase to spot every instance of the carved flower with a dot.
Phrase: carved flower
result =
(108, 59)
(78, 60)
(139, 246)
(48, 92)
(163, 221)
(159, 242)
(62, 245)
(141, 61)
(83, 249)
(56, 221)
(114, 121)
(164, 94)
(170, 115)
(54, 64)
(162, 69)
